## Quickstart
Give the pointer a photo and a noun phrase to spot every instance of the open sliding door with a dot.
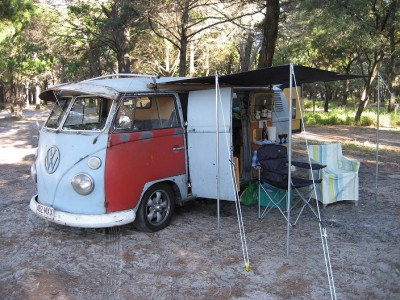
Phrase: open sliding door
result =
(202, 141)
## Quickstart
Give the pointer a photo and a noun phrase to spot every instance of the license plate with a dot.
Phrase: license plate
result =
(45, 211)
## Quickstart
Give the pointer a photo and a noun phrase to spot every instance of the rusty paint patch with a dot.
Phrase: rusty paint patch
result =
(146, 135)
(125, 137)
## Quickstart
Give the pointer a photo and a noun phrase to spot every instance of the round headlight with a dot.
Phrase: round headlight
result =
(94, 162)
(83, 184)
(34, 173)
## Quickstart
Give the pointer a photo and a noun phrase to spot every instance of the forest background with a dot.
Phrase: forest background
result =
(46, 42)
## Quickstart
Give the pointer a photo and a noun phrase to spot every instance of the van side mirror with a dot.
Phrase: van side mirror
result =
(124, 122)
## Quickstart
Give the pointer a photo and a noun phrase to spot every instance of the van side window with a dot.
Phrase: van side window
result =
(147, 113)
(124, 119)
(155, 113)
(168, 113)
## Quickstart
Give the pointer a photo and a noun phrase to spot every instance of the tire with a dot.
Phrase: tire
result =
(156, 209)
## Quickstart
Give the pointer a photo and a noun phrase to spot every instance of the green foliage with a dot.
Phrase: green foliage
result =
(308, 105)
(14, 10)
(358, 36)
(2, 106)
(102, 34)
(346, 116)
(15, 15)
(16, 54)
(326, 119)
(366, 121)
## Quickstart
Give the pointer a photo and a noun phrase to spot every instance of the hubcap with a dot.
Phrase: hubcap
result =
(157, 207)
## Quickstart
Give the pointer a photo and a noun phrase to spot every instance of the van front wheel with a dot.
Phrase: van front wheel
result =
(156, 209)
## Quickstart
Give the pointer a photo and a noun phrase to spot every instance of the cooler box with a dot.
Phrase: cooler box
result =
(275, 193)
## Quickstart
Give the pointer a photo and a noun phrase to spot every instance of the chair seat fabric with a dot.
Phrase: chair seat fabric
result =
(296, 183)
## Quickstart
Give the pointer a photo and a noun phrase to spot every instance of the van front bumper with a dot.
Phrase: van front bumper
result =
(84, 221)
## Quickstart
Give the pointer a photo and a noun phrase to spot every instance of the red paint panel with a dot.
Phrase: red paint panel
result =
(136, 158)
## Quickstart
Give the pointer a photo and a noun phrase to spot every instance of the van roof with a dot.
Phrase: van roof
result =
(106, 86)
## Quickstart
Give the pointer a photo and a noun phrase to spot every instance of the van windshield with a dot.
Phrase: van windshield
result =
(87, 113)
(57, 113)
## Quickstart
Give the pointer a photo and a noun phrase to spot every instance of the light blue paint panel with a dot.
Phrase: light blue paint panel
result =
(75, 149)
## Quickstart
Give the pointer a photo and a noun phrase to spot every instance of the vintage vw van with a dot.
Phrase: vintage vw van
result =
(128, 148)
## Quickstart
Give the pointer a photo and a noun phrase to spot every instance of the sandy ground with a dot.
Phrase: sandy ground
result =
(41, 260)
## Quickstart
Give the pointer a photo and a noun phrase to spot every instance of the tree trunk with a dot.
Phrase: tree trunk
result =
(246, 53)
(328, 96)
(182, 57)
(206, 64)
(270, 33)
(127, 63)
(367, 89)
(183, 41)
(393, 97)
(26, 94)
(230, 62)
(2, 92)
(37, 93)
(94, 60)
(191, 62)
(62, 73)
(393, 68)
(123, 62)
(345, 92)
(167, 61)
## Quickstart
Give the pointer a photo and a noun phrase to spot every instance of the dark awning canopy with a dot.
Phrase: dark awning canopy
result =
(278, 75)
(270, 76)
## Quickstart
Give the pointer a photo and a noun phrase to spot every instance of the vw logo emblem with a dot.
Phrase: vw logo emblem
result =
(52, 159)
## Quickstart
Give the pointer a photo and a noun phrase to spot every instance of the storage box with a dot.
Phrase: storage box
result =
(276, 194)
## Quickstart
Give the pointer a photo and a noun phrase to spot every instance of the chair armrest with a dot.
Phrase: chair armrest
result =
(350, 164)
(306, 165)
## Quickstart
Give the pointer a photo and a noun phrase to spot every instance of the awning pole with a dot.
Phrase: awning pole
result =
(217, 154)
(289, 191)
(377, 138)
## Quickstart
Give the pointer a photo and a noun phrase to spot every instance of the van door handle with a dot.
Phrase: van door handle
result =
(178, 148)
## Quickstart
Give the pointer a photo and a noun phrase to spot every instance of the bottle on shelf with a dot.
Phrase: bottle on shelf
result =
(265, 131)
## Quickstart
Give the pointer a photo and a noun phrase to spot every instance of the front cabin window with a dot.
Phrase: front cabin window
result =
(87, 113)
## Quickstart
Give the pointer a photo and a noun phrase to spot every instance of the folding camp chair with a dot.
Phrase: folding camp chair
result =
(273, 180)
(339, 178)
